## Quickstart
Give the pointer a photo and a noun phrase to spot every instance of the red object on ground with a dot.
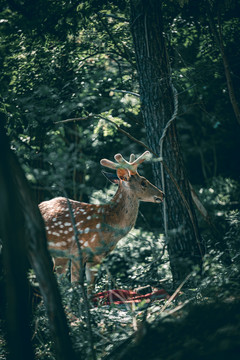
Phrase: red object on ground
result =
(119, 296)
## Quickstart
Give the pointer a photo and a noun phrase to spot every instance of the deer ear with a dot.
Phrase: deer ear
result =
(111, 177)
(123, 174)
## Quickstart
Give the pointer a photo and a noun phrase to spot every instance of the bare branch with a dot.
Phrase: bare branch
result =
(126, 92)
(76, 119)
(172, 297)
(81, 280)
(114, 17)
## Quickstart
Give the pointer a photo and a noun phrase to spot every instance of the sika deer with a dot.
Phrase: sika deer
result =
(99, 227)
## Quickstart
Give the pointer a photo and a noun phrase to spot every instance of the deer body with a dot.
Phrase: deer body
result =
(99, 227)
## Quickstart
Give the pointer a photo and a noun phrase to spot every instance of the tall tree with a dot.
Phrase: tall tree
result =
(12, 236)
(213, 8)
(157, 101)
(23, 236)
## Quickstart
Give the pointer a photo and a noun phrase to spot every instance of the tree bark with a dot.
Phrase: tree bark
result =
(157, 100)
(17, 311)
(217, 34)
(23, 235)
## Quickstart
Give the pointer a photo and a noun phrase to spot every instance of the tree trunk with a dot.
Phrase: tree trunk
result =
(217, 34)
(23, 236)
(17, 310)
(157, 100)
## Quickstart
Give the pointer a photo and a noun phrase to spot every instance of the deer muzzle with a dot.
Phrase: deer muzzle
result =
(158, 199)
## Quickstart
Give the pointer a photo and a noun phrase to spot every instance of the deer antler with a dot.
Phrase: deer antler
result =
(132, 165)
(132, 158)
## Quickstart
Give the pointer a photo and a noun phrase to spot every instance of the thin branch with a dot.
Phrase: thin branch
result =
(81, 280)
(114, 17)
(175, 99)
(172, 297)
(124, 53)
(126, 92)
(126, 133)
(177, 308)
(89, 56)
(111, 122)
(76, 119)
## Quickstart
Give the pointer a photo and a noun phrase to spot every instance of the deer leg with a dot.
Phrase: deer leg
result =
(90, 276)
(75, 272)
(60, 265)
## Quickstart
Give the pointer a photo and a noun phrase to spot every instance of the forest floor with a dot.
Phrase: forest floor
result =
(206, 331)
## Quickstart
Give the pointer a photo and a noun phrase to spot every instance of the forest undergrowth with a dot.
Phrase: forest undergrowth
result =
(200, 321)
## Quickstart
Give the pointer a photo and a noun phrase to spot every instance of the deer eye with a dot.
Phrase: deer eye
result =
(143, 184)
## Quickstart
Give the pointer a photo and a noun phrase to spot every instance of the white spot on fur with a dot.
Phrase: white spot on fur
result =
(66, 232)
(47, 228)
(67, 223)
(61, 243)
(86, 231)
(98, 226)
(89, 217)
(86, 244)
(93, 238)
(58, 244)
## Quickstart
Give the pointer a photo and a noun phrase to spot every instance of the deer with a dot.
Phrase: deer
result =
(99, 227)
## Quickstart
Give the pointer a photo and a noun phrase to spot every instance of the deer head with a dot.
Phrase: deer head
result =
(130, 181)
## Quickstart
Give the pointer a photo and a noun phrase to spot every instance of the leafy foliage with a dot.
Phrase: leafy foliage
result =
(64, 60)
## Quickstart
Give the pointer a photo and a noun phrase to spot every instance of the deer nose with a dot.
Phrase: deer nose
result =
(158, 199)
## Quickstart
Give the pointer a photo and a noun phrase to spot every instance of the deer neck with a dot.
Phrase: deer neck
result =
(122, 211)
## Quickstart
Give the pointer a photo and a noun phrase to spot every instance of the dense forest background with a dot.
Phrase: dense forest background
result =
(70, 96)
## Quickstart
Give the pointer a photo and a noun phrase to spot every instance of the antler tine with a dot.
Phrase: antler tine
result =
(133, 164)
(125, 164)
(108, 163)
(132, 158)
(141, 158)
(122, 163)
(120, 159)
